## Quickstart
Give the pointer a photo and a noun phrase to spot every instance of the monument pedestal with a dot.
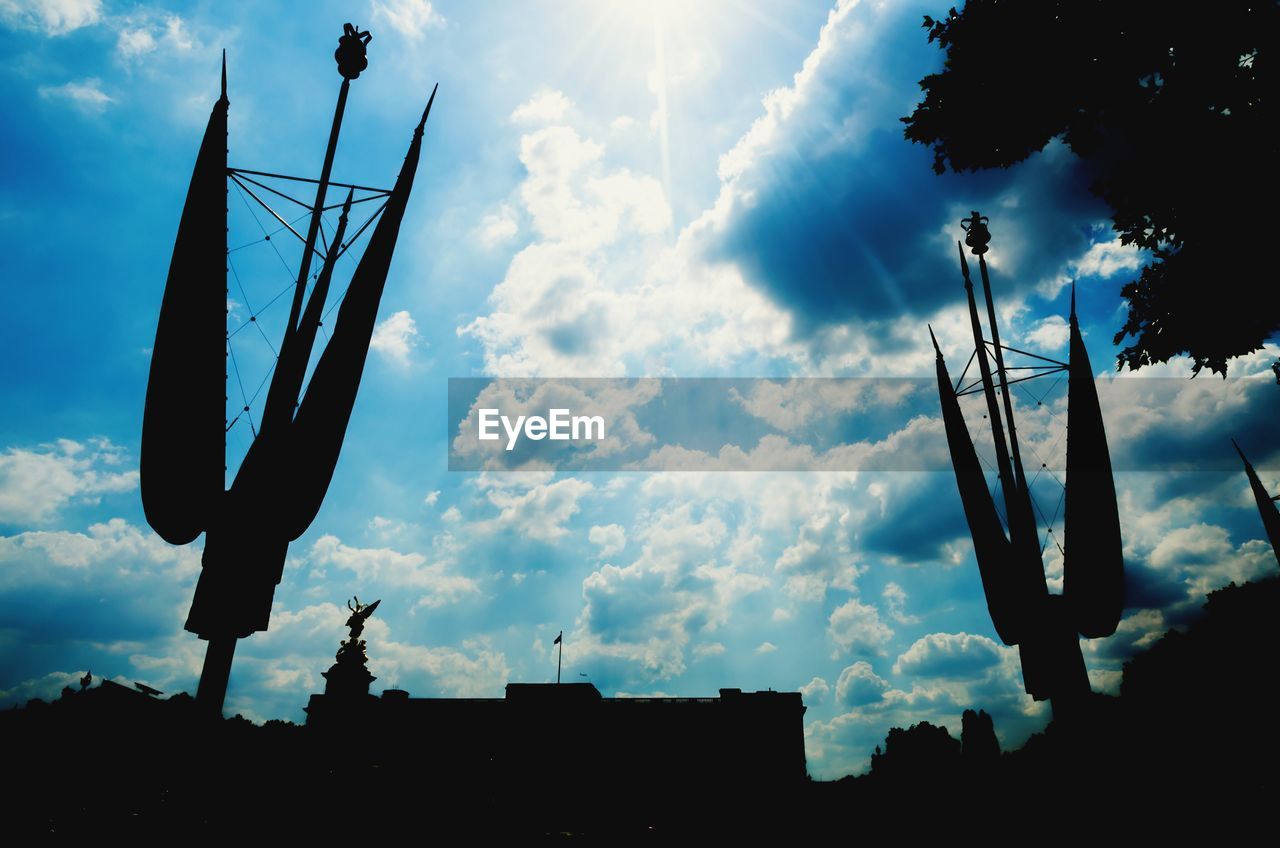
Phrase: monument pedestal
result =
(349, 677)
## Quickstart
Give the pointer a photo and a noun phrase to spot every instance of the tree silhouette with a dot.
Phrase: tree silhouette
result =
(1172, 108)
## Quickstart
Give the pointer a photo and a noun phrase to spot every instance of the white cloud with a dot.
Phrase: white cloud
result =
(114, 547)
(388, 568)
(708, 649)
(52, 17)
(684, 582)
(432, 498)
(47, 687)
(598, 289)
(1050, 334)
(1106, 258)
(395, 338)
(538, 511)
(610, 537)
(131, 43)
(176, 34)
(815, 691)
(766, 648)
(497, 227)
(1202, 554)
(859, 685)
(622, 123)
(410, 18)
(35, 484)
(86, 94)
(895, 603)
(955, 655)
(146, 31)
(111, 588)
(792, 404)
(856, 627)
(545, 107)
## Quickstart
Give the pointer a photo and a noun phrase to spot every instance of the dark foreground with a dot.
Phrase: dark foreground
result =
(1190, 748)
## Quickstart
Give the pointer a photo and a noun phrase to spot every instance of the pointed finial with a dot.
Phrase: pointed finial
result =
(346, 204)
(427, 111)
(964, 265)
(934, 339)
(224, 74)
(1242, 456)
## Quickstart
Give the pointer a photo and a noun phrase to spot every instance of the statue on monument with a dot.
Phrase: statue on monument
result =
(350, 676)
(359, 615)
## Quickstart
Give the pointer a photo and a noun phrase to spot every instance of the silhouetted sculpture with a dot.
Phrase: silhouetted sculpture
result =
(1043, 626)
(282, 480)
(359, 615)
(86, 680)
(349, 677)
(351, 53)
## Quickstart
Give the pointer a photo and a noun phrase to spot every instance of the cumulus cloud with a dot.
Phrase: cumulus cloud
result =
(957, 655)
(611, 538)
(792, 405)
(145, 31)
(436, 582)
(46, 687)
(410, 18)
(1050, 334)
(824, 206)
(688, 574)
(110, 582)
(815, 691)
(1103, 259)
(1206, 559)
(395, 338)
(35, 483)
(859, 685)
(51, 17)
(545, 107)
(131, 43)
(599, 287)
(856, 627)
(497, 227)
(537, 510)
(895, 603)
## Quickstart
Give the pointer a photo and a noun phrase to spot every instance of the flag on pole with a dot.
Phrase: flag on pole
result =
(559, 654)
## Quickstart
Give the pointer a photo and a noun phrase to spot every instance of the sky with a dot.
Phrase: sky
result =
(607, 189)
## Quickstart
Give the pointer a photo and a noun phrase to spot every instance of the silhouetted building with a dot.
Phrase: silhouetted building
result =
(569, 735)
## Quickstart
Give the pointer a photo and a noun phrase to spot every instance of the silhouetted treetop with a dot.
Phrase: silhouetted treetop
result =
(1172, 107)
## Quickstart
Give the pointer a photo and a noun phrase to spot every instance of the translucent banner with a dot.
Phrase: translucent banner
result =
(839, 424)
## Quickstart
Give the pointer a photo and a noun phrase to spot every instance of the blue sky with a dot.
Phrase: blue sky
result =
(622, 189)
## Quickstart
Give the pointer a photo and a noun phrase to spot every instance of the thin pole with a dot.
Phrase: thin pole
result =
(559, 656)
(217, 670)
(1000, 372)
(1007, 479)
(305, 269)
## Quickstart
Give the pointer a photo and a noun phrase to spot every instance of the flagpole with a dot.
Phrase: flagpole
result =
(559, 655)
